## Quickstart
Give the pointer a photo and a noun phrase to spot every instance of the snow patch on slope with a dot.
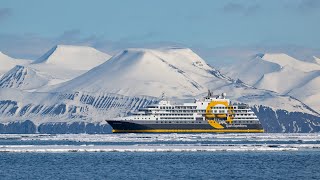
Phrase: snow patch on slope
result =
(317, 59)
(309, 93)
(73, 57)
(23, 78)
(6, 63)
(252, 70)
(279, 73)
(285, 80)
(286, 60)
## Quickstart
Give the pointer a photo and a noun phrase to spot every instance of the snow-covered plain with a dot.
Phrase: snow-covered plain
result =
(160, 142)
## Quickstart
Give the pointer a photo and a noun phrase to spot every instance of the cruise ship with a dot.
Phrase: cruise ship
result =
(212, 114)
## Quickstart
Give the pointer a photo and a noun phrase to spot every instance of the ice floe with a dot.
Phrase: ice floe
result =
(159, 142)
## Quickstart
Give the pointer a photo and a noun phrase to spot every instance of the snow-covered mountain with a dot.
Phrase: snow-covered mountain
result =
(134, 78)
(6, 63)
(60, 64)
(22, 77)
(177, 72)
(280, 73)
(73, 57)
(316, 59)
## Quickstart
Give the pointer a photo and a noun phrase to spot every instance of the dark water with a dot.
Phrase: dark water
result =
(161, 165)
(266, 156)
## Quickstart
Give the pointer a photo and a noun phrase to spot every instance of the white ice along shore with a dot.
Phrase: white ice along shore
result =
(74, 89)
(164, 143)
(157, 148)
(168, 137)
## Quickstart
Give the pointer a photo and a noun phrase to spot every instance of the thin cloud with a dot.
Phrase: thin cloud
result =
(309, 6)
(32, 46)
(237, 8)
(303, 6)
(224, 55)
(4, 13)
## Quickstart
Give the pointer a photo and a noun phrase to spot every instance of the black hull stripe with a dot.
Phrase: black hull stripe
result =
(125, 126)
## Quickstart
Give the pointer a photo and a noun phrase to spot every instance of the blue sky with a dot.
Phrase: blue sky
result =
(211, 27)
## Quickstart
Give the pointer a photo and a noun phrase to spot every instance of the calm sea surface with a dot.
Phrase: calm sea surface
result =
(186, 156)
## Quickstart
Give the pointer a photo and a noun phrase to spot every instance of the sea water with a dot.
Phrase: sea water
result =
(160, 156)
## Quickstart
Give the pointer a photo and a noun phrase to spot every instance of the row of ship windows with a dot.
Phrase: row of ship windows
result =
(222, 107)
(183, 122)
(193, 118)
(245, 114)
(176, 114)
(177, 118)
(186, 111)
(246, 122)
(197, 111)
(200, 111)
(178, 107)
(192, 115)
(195, 107)
(169, 118)
(246, 118)
(220, 111)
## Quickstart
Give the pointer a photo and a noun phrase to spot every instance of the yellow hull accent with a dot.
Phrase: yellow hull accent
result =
(191, 131)
(216, 115)
(215, 124)
(229, 120)
(221, 115)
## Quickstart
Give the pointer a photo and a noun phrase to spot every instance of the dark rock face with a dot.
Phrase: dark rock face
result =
(273, 121)
(74, 128)
(283, 121)
(25, 127)
(28, 127)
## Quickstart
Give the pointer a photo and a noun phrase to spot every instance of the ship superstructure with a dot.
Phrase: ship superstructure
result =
(210, 114)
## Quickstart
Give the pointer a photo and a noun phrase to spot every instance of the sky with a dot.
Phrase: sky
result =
(215, 29)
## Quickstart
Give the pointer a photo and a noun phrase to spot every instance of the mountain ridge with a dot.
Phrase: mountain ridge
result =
(52, 69)
(282, 74)
(73, 57)
(134, 78)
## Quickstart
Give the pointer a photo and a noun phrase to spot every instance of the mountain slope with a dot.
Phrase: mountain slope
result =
(6, 63)
(317, 60)
(58, 65)
(135, 78)
(73, 57)
(23, 78)
(252, 70)
(309, 93)
(293, 78)
(289, 75)
(285, 60)
(177, 72)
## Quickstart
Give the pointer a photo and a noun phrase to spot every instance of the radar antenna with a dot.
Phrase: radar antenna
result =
(209, 93)
(163, 96)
